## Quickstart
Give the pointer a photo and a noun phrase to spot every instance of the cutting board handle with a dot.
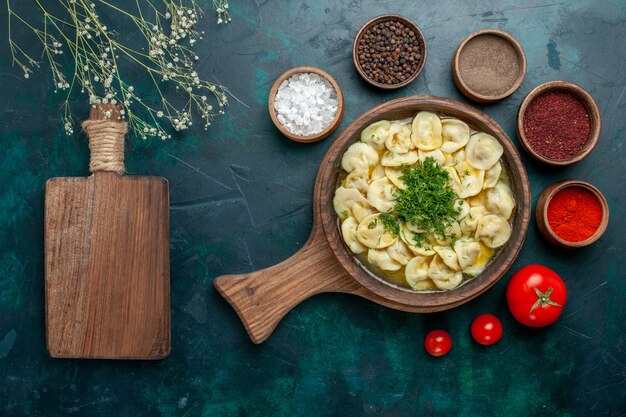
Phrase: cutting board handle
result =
(106, 130)
(263, 298)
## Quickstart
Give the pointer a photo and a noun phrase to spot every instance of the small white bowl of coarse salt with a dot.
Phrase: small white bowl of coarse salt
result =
(306, 104)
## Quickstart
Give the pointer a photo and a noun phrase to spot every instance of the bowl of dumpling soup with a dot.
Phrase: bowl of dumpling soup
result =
(427, 203)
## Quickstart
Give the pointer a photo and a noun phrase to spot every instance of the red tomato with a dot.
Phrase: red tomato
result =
(486, 329)
(536, 296)
(438, 343)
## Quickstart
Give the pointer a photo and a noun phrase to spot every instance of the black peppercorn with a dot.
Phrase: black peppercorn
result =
(389, 52)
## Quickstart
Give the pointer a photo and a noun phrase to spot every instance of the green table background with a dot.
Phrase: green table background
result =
(241, 200)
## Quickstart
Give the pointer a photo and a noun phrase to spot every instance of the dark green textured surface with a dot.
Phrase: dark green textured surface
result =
(241, 200)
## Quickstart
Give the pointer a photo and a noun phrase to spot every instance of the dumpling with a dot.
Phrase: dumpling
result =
(399, 138)
(453, 231)
(459, 156)
(345, 198)
(348, 231)
(399, 252)
(411, 227)
(394, 175)
(426, 131)
(492, 175)
(408, 237)
(359, 156)
(472, 180)
(467, 251)
(416, 270)
(381, 259)
(448, 256)
(493, 230)
(377, 172)
(371, 232)
(391, 159)
(483, 151)
(470, 222)
(500, 200)
(426, 284)
(376, 133)
(474, 270)
(455, 135)
(462, 207)
(437, 155)
(448, 160)
(478, 200)
(455, 181)
(480, 263)
(472, 184)
(381, 194)
(451, 159)
(359, 179)
(443, 277)
(359, 211)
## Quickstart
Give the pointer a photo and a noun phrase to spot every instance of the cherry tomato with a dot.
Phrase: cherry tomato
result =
(438, 342)
(486, 329)
(536, 296)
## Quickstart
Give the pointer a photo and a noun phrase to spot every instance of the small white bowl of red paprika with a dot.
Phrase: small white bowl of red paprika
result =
(572, 214)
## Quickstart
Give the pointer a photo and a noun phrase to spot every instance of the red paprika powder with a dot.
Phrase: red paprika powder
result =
(574, 214)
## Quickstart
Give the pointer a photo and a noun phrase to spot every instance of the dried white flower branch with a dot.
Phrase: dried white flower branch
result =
(168, 30)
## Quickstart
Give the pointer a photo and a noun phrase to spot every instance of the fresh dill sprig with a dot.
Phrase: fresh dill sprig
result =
(426, 201)
(390, 222)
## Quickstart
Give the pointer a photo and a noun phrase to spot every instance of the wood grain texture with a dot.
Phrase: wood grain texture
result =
(263, 298)
(324, 264)
(107, 267)
(272, 97)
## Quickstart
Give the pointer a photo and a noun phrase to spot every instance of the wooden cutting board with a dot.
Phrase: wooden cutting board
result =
(107, 256)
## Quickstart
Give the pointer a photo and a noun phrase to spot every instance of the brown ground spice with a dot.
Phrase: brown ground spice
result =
(489, 65)
(557, 125)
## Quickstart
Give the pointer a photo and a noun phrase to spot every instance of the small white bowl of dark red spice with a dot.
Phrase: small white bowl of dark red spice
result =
(389, 51)
(572, 214)
(558, 123)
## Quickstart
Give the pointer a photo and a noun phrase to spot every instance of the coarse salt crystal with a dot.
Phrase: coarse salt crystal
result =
(306, 104)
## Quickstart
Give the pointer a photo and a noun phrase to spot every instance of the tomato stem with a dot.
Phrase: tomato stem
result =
(543, 299)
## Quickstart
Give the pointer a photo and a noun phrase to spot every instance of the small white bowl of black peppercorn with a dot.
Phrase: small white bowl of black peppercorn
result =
(389, 51)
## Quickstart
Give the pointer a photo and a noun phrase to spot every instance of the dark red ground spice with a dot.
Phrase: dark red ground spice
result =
(556, 125)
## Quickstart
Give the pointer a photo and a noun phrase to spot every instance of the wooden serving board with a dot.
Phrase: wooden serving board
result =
(262, 298)
(324, 264)
(107, 267)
